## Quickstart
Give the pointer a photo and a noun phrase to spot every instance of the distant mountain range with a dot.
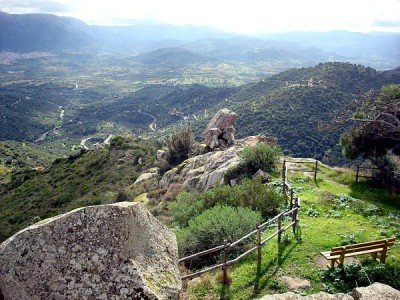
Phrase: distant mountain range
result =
(44, 32)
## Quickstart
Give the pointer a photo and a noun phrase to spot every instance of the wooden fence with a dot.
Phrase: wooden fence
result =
(363, 168)
(285, 170)
(292, 212)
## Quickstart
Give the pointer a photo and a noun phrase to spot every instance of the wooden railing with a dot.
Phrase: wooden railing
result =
(292, 212)
(363, 168)
(285, 169)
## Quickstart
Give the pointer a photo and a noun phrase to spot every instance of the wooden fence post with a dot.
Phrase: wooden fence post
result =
(315, 171)
(294, 215)
(224, 267)
(184, 285)
(284, 177)
(357, 171)
(279, 227)
(291, 198)
(259, 245)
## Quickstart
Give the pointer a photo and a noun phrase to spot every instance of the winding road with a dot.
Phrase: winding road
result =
(153, 125)
(55, 128)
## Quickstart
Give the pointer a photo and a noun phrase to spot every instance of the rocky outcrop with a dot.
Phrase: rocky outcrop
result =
(376, 291)
(117, 251)
(208, 170)
(219, 132)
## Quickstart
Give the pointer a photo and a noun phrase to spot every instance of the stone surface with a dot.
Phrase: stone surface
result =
(263, 175)
(295, 284)
(117, 251)
(145, 177)
(219, 132)
(161, 154)
(376, 291)
(211, 138)
(208, 170)
(318, 296)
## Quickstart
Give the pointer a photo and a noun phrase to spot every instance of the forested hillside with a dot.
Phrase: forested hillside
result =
(299, 105)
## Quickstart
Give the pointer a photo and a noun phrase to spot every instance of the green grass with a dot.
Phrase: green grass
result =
(331, 227)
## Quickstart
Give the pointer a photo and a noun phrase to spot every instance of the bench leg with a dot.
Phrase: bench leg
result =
(384, 252)
(333, 263)
(374, 256)
(342, 255)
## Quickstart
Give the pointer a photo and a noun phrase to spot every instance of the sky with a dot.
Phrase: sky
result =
(241, 16)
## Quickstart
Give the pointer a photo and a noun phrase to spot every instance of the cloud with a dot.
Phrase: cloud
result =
(34, 6)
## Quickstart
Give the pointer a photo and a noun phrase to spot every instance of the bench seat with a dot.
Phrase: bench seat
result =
(338, 254)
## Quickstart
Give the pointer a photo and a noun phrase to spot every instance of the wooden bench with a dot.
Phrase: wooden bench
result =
(337, 254)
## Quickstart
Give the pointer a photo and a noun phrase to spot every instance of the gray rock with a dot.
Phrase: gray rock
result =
(263, 175)
(219, 132)
(211, 138)
(295, 283)
(318, 296)
(376, 291)
(161, 154)
(145, 177)
(168, 178)
(117, 251)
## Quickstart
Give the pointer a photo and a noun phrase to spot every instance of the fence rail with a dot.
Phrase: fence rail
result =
(294, 204)
(360, 168)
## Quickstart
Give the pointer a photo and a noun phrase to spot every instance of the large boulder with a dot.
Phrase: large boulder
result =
(117, 251)
(376, 291)
(318, 296)
(219, 132)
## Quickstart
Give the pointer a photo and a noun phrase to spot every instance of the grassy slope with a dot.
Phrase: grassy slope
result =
(300, 258)
(87, 178)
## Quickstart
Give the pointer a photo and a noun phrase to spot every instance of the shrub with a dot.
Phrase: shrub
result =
(121, 196)
(210, 228)
(312, 212)
(260, 156)
(119, 143)
(347, 239)
(250, 193)
(354, 274)
(180, 145)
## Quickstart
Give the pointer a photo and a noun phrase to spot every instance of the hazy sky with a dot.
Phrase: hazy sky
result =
(244, 16)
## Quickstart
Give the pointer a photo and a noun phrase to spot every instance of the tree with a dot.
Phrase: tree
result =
(375, 134)
(376, 126)
(180, 145)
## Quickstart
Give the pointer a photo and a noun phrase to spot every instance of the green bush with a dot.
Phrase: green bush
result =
(250, 193)
(260, 156)
(119, 143)
(180, 145)
(210, 228)
(354, 274)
